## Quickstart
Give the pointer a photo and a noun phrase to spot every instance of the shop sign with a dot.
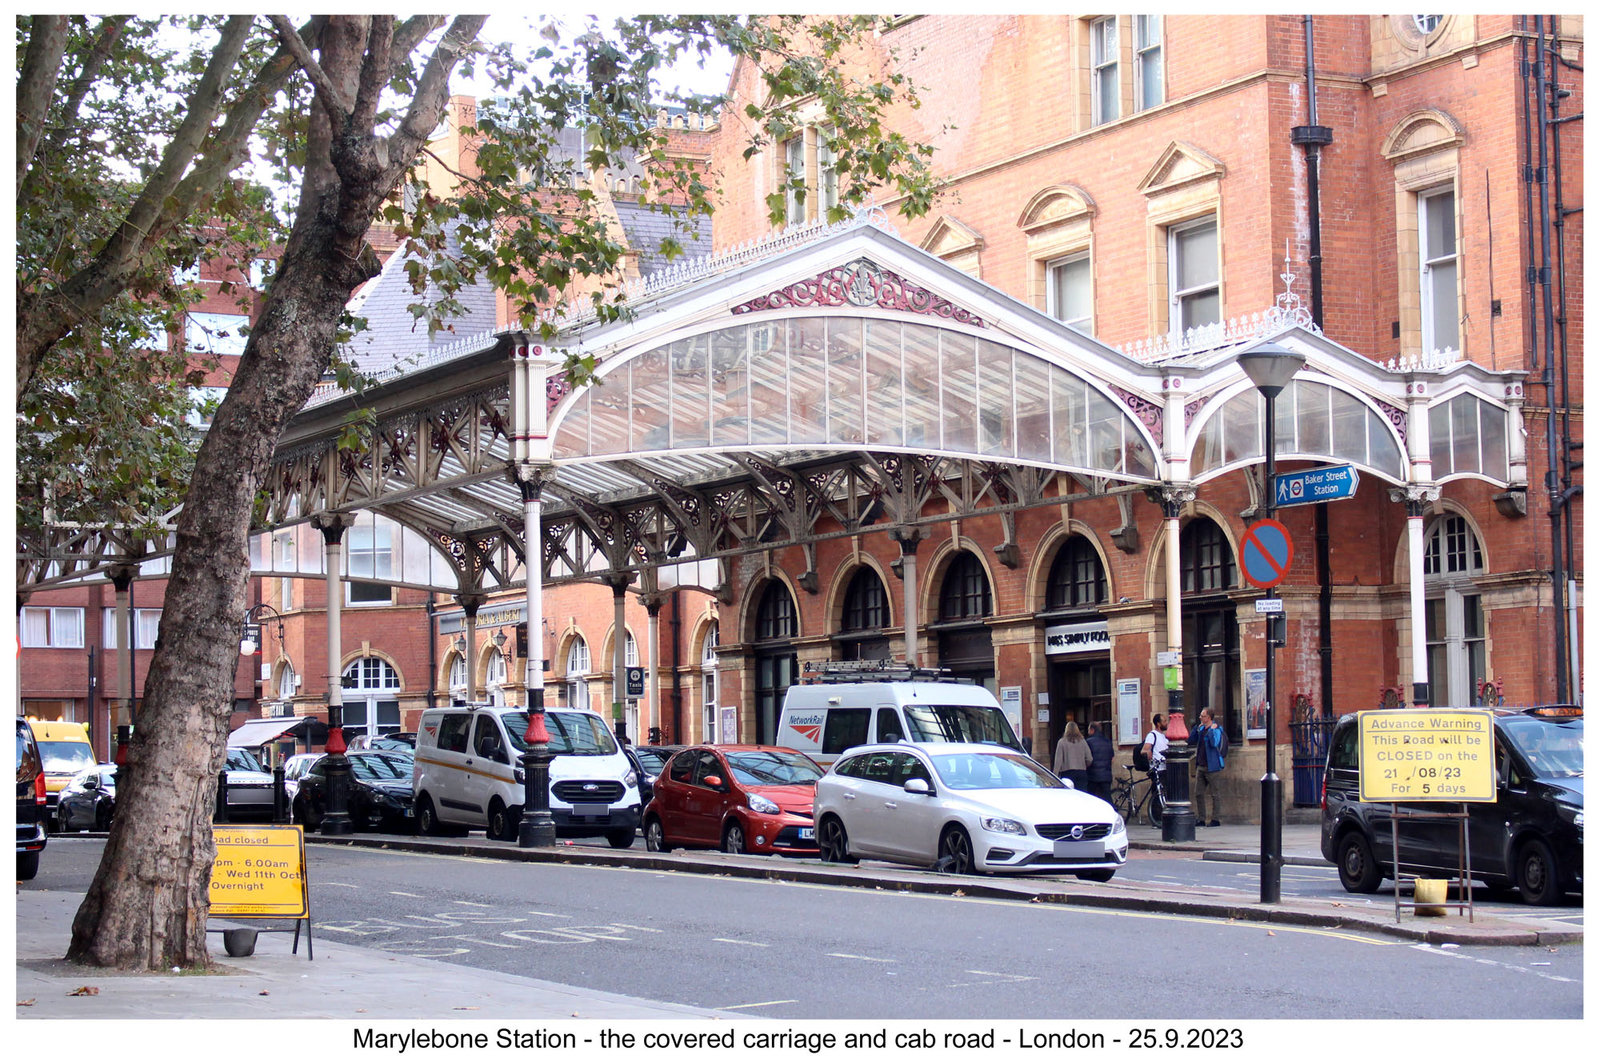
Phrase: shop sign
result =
(1077, 638)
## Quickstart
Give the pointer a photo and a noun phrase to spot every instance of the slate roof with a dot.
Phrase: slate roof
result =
(646, 229)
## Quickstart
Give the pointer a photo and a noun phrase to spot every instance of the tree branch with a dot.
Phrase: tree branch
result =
(331, 96)
(36, 84)
(110, 31)
(375, 71)
(431, 95)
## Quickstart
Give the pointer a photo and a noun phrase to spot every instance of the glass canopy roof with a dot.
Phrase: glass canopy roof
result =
(1313, 421)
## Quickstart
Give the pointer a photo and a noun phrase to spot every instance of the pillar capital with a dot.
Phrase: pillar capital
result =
(529, 479)
(122, 576)
(471, 603)
(332, 525)
(1416, 497)
(1172, 498)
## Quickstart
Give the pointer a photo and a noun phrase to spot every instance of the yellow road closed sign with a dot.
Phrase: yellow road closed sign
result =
(1427, 755)
(259, 872)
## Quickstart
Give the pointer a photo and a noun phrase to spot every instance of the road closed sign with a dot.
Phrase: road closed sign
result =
(1427, 755)
(259, 872)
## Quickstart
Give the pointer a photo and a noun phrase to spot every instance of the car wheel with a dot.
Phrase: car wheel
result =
(1103, 875)
(955, 852)
(1358, 871)
(655, 836)
(621, 839)
(733, 839)
(427, 818)
(1537, 878)
(501, 827)
(832, 842)
(27, 866)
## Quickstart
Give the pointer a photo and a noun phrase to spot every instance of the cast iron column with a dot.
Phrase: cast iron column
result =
(336, 819)
(1177, 815)
(538, 827)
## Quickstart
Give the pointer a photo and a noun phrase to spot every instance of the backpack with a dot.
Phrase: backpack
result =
(1141, 759)
(1222, 748)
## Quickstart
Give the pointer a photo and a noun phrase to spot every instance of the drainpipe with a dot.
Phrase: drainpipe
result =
(1312, 137)
(677, 665)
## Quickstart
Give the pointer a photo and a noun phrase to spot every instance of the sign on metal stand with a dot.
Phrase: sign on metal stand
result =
(1428, 756)
(260, 873)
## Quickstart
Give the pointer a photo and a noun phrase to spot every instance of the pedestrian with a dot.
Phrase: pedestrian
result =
(1155, 744)
(1209, 745)
(1101, 754)
(1072, 757)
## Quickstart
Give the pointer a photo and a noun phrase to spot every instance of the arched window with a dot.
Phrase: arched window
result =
(866, 614)
(288, 682)
(1205, 558)
(776, 664)
(1077, 579)
(371, 698)
(1453, 612)
(708, 685)
(494, 679)
(575, 685)
(965, 593)
(458, 679)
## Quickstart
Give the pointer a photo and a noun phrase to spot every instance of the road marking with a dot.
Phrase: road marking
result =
(345, 885)
(993, 978)
(763, 1004)
(551, 915)
(403, 893)
(736, 941)
(1423, 946)
(853, 956)
(473, 904)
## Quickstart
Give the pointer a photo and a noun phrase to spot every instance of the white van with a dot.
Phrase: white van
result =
(844, 709)
(468, 774)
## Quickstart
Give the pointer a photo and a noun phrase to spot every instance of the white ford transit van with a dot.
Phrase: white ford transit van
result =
(468, 774)
(845, 708)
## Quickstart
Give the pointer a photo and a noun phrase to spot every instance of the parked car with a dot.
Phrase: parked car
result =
(294, 769)
(89, 800)
(964, 807)
(65, 750)
(400, 742)
(1530, 836)
(648, 762)
(742, 799)
(32, 805)
(380, 795)
(249, 786)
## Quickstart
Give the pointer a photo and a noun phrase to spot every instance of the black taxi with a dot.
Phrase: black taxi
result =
(1529, 837)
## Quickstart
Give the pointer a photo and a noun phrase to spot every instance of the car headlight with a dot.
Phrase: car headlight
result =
(520, 776)
(761, 804)
(1120, 826)
(1003, 826)
(631, 779)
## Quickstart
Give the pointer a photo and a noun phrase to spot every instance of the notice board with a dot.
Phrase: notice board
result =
(260, 872)
(1410, 755)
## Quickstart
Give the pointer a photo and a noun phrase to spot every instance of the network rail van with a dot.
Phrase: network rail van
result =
(468, 774)
(853, 703)
(64, 747)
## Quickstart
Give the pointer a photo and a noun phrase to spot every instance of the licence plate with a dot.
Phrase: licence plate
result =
(807, 833)
(1070, 850)
(591, 810)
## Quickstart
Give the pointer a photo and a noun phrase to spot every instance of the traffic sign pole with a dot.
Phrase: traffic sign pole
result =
(1271, 785)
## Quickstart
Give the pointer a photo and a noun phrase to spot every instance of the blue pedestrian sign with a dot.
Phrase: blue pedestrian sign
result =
(1327, 484)
(1266, 553)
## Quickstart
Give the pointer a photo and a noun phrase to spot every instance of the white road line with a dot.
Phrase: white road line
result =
(763, 1004)
(403, 893)
(736, 941)
(344, 885)
(473, 904)
(853, 956)
(552, 915)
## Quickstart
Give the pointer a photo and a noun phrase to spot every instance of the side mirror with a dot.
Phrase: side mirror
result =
(918, 786)
(715, 782)
(1068, 783)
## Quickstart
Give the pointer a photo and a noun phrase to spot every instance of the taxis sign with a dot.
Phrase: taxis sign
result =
(1412, 755)
(260, 872)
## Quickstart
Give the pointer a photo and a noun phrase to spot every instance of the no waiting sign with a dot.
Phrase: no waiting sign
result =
(1265, 553)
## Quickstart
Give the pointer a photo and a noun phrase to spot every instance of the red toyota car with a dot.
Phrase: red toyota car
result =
(741, 799)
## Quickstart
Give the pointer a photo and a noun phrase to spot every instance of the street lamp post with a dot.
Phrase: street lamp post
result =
(250, 643)
(1270, 368)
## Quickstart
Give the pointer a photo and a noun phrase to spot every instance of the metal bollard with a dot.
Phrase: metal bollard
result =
(280, 798)
(221, 815)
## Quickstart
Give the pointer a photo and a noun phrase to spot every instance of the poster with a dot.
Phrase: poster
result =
(728, 725)
(1255, 703)
(1011, 705)
(1129, 720)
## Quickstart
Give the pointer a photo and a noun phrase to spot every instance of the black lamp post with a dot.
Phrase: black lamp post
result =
(251, 643)
(538, 826)
(1270, 368)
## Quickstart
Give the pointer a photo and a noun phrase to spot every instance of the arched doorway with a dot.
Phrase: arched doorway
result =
(1211, 630)
(371, 698)
(1456, 633)
(1077, 645)
(965, 602)
(866, 615)
(708, 685)
(575, 676)
(776, 666)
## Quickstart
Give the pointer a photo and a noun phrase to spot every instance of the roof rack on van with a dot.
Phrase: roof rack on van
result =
(874, 672)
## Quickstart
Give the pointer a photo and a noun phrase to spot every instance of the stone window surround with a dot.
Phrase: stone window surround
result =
(1424, 149)
(1183, 186)
(1059, 223)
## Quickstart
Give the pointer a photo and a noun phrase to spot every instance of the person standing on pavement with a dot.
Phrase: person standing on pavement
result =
(1101, 754)
(1207, 761)
(1155, 744)
(1072, 757)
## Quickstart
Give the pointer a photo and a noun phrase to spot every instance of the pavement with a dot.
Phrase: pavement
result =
(354, 984)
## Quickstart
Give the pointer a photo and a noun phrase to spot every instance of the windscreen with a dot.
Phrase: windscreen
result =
(771, 768)
(572, 734)
(65, 757)
(960, 723)
(993, 771)
(1553, 749)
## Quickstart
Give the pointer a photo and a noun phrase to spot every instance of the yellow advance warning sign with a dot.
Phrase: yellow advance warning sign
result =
(260, 872)
(1427, 755)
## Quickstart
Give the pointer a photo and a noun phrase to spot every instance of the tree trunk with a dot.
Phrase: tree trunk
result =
(149, 901)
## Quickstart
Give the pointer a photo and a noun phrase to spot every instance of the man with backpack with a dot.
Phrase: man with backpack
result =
(1210, 753)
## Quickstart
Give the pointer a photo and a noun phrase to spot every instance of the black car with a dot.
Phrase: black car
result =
(1530, 837)
(89, 801)
(32, 806)
(648, 762)
(380, 793)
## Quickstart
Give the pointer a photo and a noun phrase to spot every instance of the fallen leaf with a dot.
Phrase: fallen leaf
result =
(25, 1003)
(959, 893)
(467, 1007)
(263, 993)
(85, 991)
(1271, 934)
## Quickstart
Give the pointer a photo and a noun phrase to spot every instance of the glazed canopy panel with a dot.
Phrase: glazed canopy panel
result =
(853, 383)
(1467, 436)
(1313, 421)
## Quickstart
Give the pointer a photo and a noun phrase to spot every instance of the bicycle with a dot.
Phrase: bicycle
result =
(1128, 798)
